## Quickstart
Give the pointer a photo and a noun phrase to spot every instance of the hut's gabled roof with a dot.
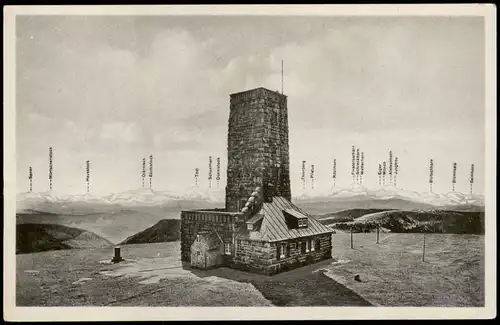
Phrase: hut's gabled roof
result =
(212, 239)
(274, 225)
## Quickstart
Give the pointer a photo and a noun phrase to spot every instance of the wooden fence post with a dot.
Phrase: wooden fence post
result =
(423, 251)
(352, 246)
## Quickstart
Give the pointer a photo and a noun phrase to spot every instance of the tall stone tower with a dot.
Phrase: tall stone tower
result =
(257, 147)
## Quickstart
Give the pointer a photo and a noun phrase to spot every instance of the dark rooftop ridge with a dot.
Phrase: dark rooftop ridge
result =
(258, 88)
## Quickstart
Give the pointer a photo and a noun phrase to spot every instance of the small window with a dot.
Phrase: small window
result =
(198, 253)
(227, 248)
(317, 243)
(313, 248)
(250, 226)
(275, 172)
(303, 247)
(302, 222)
(283, 251)
(308, 245)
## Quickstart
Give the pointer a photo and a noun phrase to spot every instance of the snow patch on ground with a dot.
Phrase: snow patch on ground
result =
(32, 272)
(153, 270)
(340, 261)
(82, 280)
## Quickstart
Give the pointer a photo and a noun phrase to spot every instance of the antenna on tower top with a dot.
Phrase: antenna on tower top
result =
(282, 77)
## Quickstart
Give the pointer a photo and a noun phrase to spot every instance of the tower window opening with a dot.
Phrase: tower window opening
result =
(275, 118)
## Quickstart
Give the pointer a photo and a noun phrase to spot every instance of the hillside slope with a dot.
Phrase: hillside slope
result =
(434, 221)
(345, 215)
(164, 231)
(32, 237)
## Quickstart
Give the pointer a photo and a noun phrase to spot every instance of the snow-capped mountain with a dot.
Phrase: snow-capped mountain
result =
(136, 197)
(390, 192)
(203, 194)
(355, 195)
(354, 190)
(312, 193)
(358, 192)
(144, 196)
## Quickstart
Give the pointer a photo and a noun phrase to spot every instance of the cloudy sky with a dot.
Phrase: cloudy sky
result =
(115, 89)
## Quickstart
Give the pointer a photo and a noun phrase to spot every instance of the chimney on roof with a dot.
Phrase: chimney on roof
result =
(271, 183)
(269, 191)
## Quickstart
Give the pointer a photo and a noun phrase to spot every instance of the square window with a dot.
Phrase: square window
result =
(250, 226)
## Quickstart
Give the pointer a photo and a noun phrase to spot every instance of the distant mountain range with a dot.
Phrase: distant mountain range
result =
(355, 196)
(388, 197)
(81, 204)
(142, 196)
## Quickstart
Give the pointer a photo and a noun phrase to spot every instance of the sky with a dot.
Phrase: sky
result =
(115, 89)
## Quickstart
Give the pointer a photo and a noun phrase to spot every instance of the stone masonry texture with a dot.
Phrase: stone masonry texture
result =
(262, 257)
(257, 141)
(192, 222)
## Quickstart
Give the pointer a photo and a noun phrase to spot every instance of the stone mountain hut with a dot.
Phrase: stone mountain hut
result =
(260, 230)
(206, 250)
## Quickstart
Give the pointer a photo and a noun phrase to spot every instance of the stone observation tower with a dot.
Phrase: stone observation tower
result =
(257, 146)
(260, 229)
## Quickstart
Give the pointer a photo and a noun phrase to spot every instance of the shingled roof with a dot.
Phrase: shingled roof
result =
(274, 226)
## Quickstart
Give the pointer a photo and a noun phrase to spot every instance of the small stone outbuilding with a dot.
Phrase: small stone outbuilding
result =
(207, 250)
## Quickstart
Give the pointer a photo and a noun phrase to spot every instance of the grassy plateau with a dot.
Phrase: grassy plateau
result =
(392, 273)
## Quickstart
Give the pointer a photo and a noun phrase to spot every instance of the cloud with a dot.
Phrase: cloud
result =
(120, 132)
(135, 85)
